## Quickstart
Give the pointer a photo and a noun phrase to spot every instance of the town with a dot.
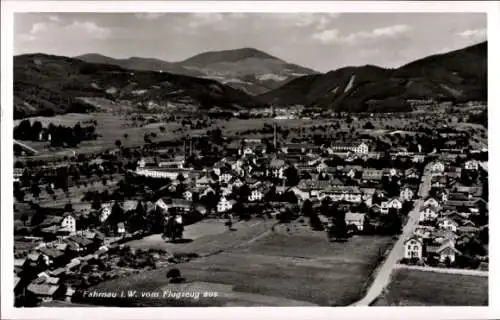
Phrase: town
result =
(355, 186)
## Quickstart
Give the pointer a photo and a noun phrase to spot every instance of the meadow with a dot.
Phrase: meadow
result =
(419, 288)
(267, 268)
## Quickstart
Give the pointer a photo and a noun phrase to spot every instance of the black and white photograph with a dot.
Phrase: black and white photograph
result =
(246, 159)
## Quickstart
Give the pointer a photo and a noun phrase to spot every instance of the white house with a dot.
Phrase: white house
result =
(356, 219)
(225, 177)
(393, 203)
(413, 248)
(188, 195)
(247, 151)
(68, 223)
(431, 202)
(437, 168)
(471, 165)
(446, 250)
(255, 195)
(406, 194)
(121, 228)
(105, 212)
(428, 213)
(448, 224)
(321, 167)
(224, 205)
(361, 148)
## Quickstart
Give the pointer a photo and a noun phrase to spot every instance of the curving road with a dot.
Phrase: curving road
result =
(384, 271)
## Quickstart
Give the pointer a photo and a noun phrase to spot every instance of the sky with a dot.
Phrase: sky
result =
(321, 41)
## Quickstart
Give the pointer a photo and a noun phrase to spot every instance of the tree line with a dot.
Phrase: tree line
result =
(57, 135)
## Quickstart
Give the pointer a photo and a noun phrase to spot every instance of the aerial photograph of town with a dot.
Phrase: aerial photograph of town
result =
(244, 159)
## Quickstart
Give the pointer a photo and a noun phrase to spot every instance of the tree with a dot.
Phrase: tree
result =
(292, 176)
(173, 229)
(174, 276)
(340, 227)
(118, 143)
(368, 125)
(35, 190)
(307, 208)
(24, 218)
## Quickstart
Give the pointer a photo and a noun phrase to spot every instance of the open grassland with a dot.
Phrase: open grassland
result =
(424, 288)
(270, 268)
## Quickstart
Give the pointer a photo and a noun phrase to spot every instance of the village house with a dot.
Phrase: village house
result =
(51, 257)
(471, 165)
(202, 182)
(121, 229)
(437, 168)
(432, 203)
(356, 219)
(411, 173)
(321, 167)
(444, 251)
(359, 148)
(69, 223)
(393, 203)
(406, 194)
(413, 248)
(372, 175)
(44, 291)
(428, 213)
(255, 195)
(341, 193)
(448, 224)
(225, 177)
(277, 168)
(162, 173)
(225, 205)
(188, 195)
(105, 212)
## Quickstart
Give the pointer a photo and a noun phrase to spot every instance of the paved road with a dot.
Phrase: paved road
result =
(467, 272)
(384, 271)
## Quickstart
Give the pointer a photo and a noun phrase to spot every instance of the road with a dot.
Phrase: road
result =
(22, 145)
(384, 271)
(467, 272)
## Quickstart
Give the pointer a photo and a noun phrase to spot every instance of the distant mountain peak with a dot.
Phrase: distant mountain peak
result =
(231, 55)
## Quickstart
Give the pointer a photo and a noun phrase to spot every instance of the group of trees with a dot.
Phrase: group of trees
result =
(58, 135)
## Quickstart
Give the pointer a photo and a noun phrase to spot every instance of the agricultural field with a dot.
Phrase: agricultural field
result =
(423, 288)
(272, 268)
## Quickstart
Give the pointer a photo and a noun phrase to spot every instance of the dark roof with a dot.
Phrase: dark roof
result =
(51, 252)
(42, 289)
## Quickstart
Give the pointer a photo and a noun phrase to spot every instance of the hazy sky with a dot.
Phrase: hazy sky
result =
(322, 41)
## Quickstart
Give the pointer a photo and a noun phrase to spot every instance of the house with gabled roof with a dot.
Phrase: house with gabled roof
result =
(413, 248)
(431, 202)
(428, 213)
(406, 194)
(444, 251)
(356, 219)
(394, 203)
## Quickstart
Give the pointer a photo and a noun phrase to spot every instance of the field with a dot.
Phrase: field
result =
(419, 288)
(270, 268)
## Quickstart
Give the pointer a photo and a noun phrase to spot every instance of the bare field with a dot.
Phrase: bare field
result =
(424, 288)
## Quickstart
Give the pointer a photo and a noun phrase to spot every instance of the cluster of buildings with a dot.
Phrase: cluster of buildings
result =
(446, 217)
(47, 271)
(267, 175)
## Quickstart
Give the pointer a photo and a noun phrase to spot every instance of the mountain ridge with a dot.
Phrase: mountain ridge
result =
(454, 76)
(251, 70)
